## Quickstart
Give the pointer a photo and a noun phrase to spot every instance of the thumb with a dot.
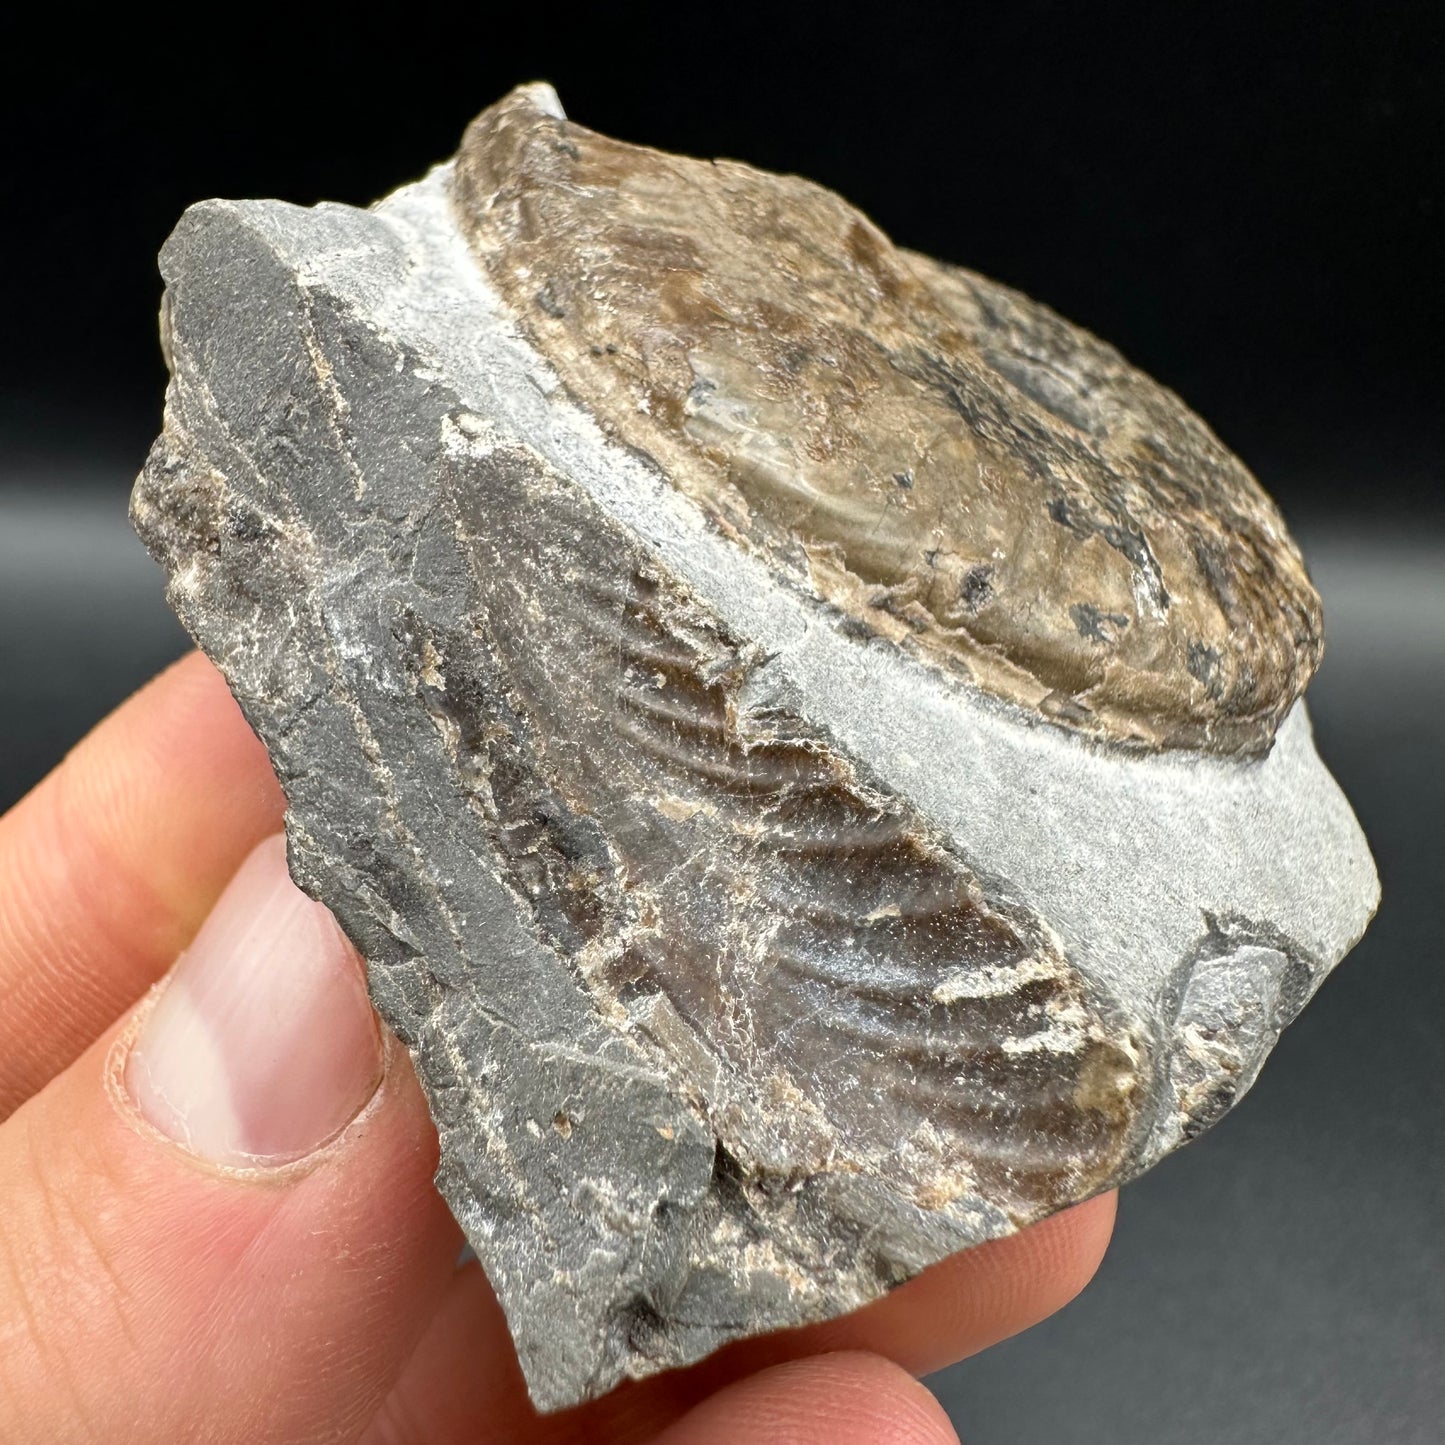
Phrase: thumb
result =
(219, 1223)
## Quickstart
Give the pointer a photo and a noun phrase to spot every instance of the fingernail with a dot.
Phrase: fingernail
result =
(262, 1044)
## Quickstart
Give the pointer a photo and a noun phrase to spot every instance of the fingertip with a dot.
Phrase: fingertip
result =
(969, 1301)
(157, 805)
(185, 719)
(849, 1398)
(1070, 1246)
(987, 1294)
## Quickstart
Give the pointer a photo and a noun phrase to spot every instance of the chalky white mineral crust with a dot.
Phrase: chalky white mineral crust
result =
(592, 786)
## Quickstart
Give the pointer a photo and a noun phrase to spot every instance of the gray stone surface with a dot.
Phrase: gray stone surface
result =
(750, 964)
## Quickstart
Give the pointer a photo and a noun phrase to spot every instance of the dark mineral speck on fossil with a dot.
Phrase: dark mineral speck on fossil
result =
(809, 743)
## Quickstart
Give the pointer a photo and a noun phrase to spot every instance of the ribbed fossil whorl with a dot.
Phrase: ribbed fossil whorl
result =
(946, 461)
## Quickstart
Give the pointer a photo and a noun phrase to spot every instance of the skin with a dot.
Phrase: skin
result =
(146, 1295)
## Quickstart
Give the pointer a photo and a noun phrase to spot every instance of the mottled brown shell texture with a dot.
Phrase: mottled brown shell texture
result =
(946, 461)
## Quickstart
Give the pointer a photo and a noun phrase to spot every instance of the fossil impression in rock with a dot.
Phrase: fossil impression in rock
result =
(809, 743)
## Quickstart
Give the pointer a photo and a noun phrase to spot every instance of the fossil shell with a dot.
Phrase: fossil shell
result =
(947, 462)
(806, 741)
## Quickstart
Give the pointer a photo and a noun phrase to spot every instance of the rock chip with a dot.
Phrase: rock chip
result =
(808, 742)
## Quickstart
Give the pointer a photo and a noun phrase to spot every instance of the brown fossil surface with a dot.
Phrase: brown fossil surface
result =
(948, 462)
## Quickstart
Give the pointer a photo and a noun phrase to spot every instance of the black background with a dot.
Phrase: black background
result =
(1245, 198)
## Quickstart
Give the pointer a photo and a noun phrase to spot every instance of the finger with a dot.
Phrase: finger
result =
(464, 1373)
(108, 865)
(220, 1223)
(825, 1400)
(967, 1302)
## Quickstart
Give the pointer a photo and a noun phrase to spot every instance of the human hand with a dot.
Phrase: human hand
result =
(219, 1220)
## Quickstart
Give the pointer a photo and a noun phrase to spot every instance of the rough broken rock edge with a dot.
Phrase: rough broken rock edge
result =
(329, 366)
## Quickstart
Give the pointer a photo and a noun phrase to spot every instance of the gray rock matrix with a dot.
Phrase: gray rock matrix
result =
(750, 963)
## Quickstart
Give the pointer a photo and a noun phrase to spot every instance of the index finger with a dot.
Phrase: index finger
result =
(108, 865)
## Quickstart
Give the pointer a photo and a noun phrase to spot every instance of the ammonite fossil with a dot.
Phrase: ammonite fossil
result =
(808, 742)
